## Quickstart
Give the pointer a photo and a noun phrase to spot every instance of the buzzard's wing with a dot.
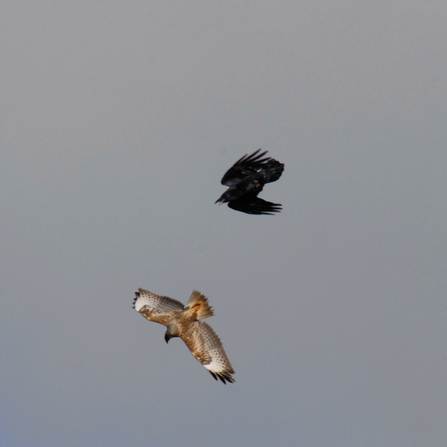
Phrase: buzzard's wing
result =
(155, 307)
(255, 205)
(207, 348)
(245, 166)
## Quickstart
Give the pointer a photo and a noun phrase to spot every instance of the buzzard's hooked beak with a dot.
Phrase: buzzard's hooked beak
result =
(167, 337)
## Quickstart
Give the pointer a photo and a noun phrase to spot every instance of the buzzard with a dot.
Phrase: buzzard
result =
(246, 178)
(184, 322)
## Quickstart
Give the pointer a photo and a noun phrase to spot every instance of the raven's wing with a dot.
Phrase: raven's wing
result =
(245, 166)
(255, 205)
(207, 348)
(155, 307)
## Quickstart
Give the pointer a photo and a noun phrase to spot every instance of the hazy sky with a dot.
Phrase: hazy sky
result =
(118, 120)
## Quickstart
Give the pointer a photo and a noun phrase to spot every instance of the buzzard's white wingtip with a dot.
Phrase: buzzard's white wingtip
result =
(140, 301)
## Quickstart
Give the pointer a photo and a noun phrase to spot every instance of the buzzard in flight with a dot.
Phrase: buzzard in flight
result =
(184, 322)
(246, 178)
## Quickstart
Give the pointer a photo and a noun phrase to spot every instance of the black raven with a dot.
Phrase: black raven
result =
(246, 178)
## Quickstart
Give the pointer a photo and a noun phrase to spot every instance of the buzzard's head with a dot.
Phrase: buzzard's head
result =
(171, 332)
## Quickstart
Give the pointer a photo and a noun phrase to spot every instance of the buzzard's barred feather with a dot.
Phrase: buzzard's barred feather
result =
(159, 303)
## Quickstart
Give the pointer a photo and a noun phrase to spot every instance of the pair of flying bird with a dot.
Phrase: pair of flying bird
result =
(245, 179)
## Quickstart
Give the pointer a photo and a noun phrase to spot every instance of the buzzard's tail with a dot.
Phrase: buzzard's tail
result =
(199, 302)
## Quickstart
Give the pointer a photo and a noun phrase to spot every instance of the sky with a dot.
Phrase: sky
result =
(118, 120)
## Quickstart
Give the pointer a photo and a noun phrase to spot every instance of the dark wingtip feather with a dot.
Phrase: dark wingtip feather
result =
(254, 160)
(223, 377)
(214, 375)
(228, 377)
(137, 295)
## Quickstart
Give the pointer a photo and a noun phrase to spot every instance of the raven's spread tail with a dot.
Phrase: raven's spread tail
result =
(199, 302)
(272, 170)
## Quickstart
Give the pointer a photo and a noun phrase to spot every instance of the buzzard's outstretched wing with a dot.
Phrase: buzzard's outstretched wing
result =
(255, 205)
(207, 348)
(155, 307)
(155, 302)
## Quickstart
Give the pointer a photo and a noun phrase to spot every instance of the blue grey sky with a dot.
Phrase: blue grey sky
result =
(118, 120)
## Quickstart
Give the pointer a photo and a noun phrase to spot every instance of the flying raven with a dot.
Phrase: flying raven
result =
(246, 178)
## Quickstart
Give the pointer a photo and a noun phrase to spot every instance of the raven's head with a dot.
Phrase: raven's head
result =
(228, 195)
(221, 199)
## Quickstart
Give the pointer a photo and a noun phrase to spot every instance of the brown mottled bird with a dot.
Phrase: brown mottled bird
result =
(184, 322)
(246, 178)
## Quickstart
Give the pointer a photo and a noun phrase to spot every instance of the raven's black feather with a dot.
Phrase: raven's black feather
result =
(246, 178)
